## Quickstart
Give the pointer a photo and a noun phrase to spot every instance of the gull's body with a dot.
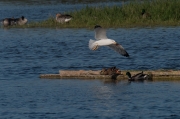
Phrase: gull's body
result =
(102, 40)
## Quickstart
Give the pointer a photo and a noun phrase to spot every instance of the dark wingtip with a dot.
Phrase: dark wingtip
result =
(97, 26)
(126, 55)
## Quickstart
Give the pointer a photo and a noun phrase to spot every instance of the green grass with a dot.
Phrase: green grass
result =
(163, 13)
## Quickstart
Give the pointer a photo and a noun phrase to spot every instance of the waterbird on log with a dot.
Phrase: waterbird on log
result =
(63, 18)
(102, 40)
(139, 76)
(110, 71)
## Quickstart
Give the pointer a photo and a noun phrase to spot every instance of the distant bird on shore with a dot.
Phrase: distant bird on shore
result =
(102, 40)
(63, 18)
(8, 22)
(14, 21)
(20, 21)
(145, 14)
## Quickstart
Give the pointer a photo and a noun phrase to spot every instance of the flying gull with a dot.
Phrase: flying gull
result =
(102, 40)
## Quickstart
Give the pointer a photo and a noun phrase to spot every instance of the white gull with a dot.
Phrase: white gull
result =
(102, 40)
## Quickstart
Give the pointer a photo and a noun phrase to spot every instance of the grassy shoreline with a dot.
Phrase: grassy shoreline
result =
(163, 13)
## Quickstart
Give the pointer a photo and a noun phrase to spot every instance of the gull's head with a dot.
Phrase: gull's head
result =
(97, 26)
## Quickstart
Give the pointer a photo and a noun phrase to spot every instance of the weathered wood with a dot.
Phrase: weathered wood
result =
(89, 74)
(51, 76)
(78, 72)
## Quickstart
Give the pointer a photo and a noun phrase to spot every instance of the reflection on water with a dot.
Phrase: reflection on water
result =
(88, 99)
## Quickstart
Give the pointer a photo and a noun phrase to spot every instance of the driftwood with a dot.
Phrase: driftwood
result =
(78, 73)
(89, 74)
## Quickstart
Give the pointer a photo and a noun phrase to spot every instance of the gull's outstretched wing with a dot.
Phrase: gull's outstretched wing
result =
(93, 45)
(100, 33)
(118, 48)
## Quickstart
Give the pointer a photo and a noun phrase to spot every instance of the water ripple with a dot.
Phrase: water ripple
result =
(26, 53)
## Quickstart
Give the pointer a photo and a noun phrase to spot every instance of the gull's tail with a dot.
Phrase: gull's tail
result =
(91, 44)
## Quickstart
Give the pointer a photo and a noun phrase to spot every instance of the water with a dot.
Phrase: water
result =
(88, 99)
(27, 53)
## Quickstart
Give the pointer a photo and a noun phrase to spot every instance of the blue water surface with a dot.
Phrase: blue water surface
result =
(27, 53)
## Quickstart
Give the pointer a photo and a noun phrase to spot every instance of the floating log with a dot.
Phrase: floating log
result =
(90, 74)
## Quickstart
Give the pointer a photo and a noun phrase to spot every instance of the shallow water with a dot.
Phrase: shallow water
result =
(27, 53)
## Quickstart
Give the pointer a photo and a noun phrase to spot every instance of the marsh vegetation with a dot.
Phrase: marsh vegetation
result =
(161, 13)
